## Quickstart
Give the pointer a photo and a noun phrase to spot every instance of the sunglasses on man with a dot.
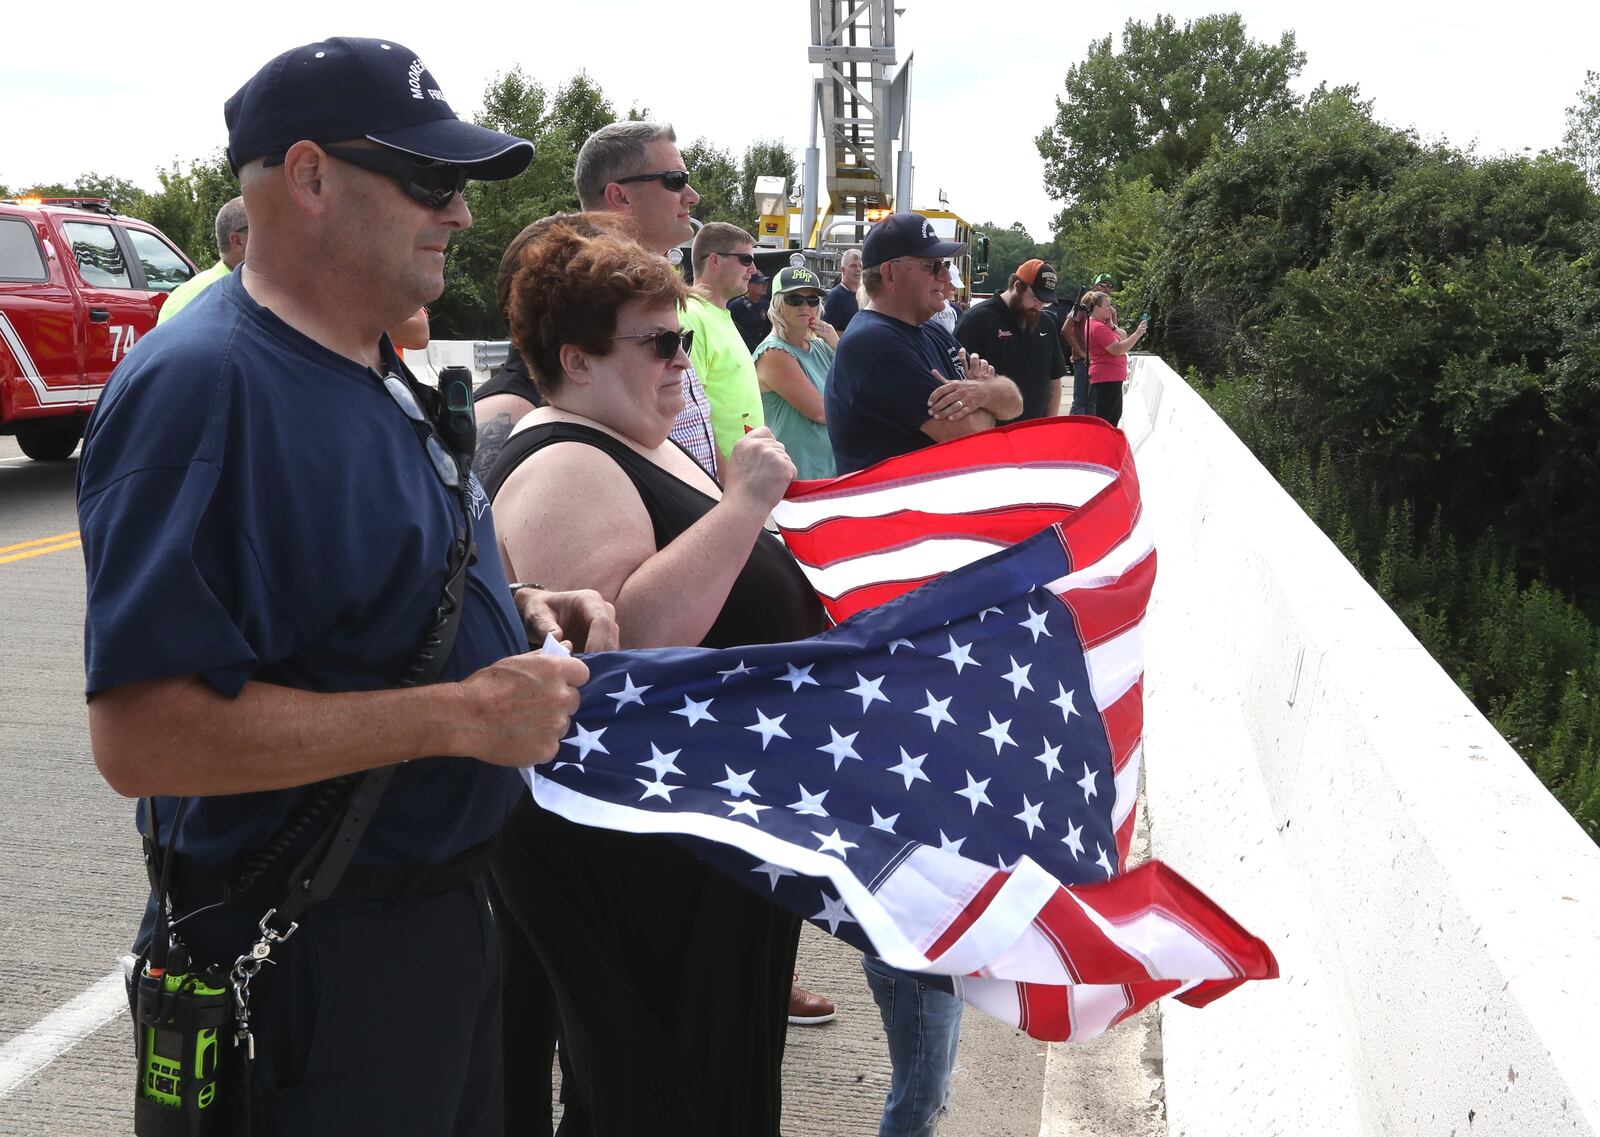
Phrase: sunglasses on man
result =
(429, 183)
(666, 343)
(746, 259)
(674, 180)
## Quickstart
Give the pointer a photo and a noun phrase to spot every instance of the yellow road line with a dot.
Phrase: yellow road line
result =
(65, 545)
(73, 536)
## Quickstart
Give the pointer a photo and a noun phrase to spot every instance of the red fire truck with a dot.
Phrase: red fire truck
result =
(79, 285)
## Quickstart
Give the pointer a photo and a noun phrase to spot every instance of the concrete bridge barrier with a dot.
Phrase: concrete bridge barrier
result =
(1436, 913)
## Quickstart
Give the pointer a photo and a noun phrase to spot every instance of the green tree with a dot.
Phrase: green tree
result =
(715, 177)
(1156, 108)
(185, 207)
(1580, 145)
(1009, 246)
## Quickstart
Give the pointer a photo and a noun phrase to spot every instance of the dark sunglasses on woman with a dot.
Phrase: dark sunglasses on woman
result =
(666, 343)
(794, 301)
(425, 181)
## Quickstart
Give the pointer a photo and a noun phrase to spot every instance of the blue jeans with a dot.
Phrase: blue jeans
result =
(923, 1027)
(1080, 387)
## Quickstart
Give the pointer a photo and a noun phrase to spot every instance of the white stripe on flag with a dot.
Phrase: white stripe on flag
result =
(1132, 549)
(1127, 789)
(1164, 947)
(1002, 487)
(1115, 665)
(913, 562)
(1095, 1006)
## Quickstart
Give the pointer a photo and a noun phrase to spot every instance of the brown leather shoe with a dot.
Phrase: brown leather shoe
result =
(806, 1008)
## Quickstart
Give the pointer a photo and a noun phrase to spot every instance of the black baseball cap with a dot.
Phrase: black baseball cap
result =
(904, 235)
(344, 88)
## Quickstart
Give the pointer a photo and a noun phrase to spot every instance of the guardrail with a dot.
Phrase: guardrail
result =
(1435, 911)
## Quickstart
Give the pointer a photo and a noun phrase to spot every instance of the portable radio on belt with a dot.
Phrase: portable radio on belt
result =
(181, 1021)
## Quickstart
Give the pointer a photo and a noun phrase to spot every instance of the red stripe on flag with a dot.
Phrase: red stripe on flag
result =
(1082, 947)
(1124, 724)
(968, 915)
(1104, 611)
(843, 538)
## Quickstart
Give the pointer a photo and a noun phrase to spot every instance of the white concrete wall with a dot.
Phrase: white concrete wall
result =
(1435, 912)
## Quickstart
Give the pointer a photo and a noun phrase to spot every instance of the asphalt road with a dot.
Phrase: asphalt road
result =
(71, 886)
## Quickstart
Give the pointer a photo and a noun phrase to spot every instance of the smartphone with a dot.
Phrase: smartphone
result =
(1144, 317)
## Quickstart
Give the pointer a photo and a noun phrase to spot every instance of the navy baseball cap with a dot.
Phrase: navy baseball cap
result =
(904, 235)
(346, 88)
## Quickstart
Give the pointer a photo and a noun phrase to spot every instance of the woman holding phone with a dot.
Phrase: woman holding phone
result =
(1108, 356)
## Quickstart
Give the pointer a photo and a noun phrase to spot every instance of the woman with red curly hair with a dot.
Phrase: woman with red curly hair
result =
(673, 981)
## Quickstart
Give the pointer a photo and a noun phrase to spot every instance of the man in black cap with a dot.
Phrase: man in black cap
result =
(279, 541)
(1013, 331)
(750, 311)
(896, 384)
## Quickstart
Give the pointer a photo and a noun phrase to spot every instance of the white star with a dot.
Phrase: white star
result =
(894, 645)
(869, 690)
(1030, 815)
(1001, 861)
(948, 846)
(960, 655)
(662, 764)
(1018, 677)
(879, 821)
(773, 873)
(586, 740)
(1103, 862)
(986, 612)
(1087, 782)
(974, 792)
(1035, 623)
(936, 712)
(1064, 701)
(1073, 840)
(998, 733)
(833, 843)
(694, 711)
(629, 693)
(835, 912)
(909, 768)
(554, 766)
(737, 784)
(734, 672)
(1047, 758)
(810, 804)
(798, 677)
(840, 747)
(745, 809)
(766, 727)
(657, 788)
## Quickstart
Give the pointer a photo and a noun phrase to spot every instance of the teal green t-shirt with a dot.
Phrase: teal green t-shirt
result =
(805, 440)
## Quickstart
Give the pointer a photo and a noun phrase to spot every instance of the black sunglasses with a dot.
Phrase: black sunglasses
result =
(794, 300)
(746, 259)
(666, 343)
(431, 183)
(674, 180)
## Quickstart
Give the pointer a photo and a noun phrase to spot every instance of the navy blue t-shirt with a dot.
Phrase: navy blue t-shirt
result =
(256, 507)
(877, 397)
(839, 307)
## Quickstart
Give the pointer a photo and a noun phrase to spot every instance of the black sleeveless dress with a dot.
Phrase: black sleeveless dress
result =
(672, 980)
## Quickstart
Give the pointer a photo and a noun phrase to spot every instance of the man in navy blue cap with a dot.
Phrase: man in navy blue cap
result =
(269, 522)
(898, 384)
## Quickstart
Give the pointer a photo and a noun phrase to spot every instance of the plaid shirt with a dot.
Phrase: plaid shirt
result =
(692, 428)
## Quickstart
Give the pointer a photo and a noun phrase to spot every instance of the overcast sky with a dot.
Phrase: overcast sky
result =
(105, 92)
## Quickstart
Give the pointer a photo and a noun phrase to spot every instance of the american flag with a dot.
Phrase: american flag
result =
(946, 778)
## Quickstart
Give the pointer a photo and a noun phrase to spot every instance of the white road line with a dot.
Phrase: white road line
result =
(61, 1030)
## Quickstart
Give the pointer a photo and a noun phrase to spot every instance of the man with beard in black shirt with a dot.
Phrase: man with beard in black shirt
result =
(1013, 331)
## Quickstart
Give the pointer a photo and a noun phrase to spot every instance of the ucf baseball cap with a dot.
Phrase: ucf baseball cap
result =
(346, 88)
(1039, 277)
(794, 279)
(904, 235)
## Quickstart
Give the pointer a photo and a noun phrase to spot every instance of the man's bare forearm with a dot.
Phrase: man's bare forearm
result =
(180, 737)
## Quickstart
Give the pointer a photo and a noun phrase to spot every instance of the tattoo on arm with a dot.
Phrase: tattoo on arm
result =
(492, 437)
